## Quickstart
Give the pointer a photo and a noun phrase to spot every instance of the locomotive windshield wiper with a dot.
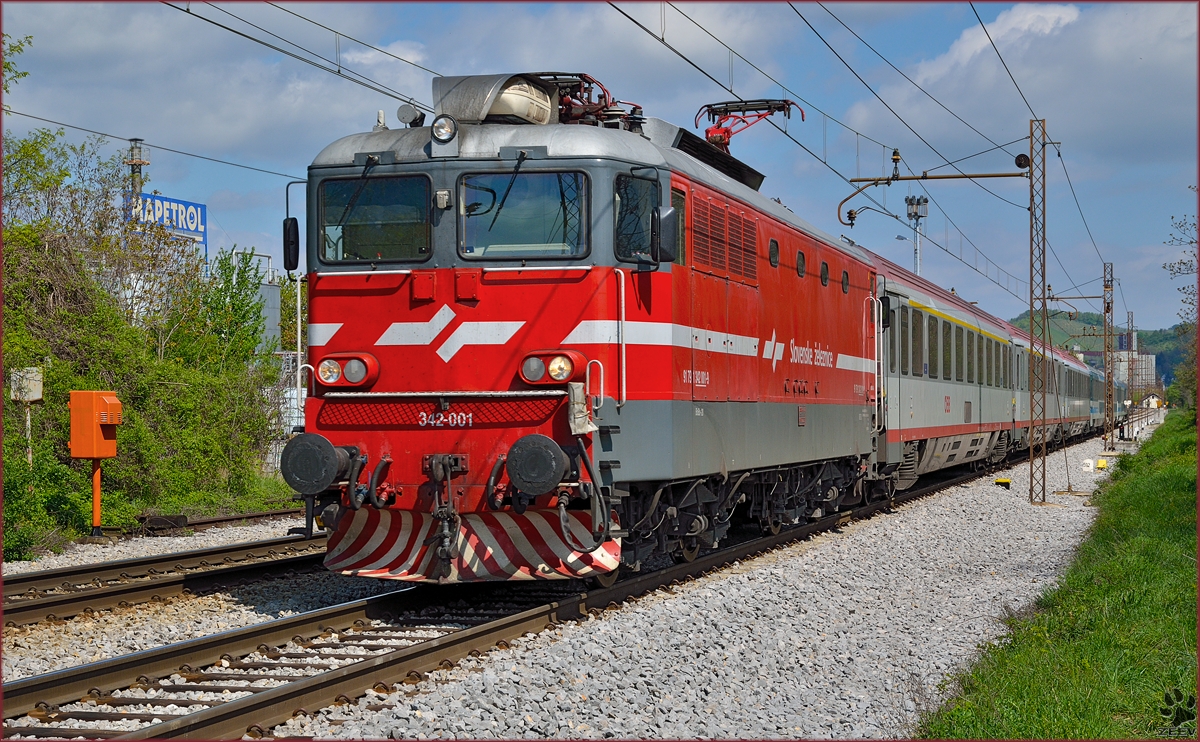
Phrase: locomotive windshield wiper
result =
(372, 161)
(520, 159)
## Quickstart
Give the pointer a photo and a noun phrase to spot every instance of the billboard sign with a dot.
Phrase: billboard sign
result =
(181, 218)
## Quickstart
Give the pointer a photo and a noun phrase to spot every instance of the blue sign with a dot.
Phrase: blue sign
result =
(181, 218)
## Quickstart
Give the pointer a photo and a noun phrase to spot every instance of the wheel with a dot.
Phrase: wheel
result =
(771, 526)
(689, 549)
(608, 579)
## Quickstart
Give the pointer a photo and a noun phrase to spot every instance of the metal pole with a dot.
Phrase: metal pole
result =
(28, 437)
(1039, 345)
(1110, 360)
(918, 247)
(96, 498)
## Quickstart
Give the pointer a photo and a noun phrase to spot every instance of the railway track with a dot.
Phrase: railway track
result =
(70, 591)
(248, 680)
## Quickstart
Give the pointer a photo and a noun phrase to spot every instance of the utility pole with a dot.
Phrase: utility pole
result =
(135, 162)
(1110, 359)
(918, 209)
(1131, 346)
(1039, 322)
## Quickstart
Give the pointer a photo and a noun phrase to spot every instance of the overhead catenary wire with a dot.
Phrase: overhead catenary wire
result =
(923, 90)
(800, 144)
(977, 154)
(892, 110)
(351, 38)
(1001, 58)
(155, 146)
(340, 71)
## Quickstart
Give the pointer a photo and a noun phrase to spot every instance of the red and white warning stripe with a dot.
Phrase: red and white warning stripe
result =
(391, 544)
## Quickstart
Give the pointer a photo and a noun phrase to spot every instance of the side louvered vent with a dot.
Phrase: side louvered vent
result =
(716, 223)
(735, 245)
(724, 241)
(701, 234)
(749, 252)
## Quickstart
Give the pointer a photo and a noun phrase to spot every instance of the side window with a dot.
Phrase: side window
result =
(947, 350)
(990, 345)
(679, 203)
(892, 335)
(824, 273)
(904, 340)
(958, 354)
(970, 357)
(635, 201)
(918, 344)
(933, 347)
(800, 263)
(979, 359)
(773, 253)
(845, 282)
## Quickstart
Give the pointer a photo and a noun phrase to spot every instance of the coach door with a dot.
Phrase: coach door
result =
(896, 356)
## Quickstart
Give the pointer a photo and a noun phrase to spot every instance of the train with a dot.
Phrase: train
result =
(550, 337)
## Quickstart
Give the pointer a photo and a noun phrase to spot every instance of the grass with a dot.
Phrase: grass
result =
(1094, 656)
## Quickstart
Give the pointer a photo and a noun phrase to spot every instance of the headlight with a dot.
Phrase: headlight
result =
(355, 371)
(444, 128)
(533, 369)
(329, 371)
(561, 368)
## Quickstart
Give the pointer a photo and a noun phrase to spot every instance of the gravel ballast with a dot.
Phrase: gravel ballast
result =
(48, 646)
(144, 546)
(847, 634)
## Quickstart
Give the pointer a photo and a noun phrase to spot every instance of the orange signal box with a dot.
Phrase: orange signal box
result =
(94, 420)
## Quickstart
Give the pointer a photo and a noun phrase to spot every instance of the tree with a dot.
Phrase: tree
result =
(1183, 390)
(11, 49)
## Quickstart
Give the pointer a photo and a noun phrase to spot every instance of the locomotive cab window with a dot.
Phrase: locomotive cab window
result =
(512, 215)
(635, 200)
(679, 203)
(824, 273)
(375, 219)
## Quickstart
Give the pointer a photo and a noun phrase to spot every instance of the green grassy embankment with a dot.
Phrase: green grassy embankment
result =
(1094, 656)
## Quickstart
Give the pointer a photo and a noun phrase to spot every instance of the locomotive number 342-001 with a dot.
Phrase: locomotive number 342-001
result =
(446, 419)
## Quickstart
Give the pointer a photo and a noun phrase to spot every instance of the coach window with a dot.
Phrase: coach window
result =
(947, 349)
(892, 340)
(824, 273)
(958, 354)
(773, 253)
(918, 344)
(679, 203)
(800, 263)
(933, 347)
(979, 359)
(989, 361)
(904, 340)
(970, 357)
(375, 219)
(845, 282)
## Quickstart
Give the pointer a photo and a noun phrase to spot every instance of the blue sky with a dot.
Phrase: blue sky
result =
(1117, 84)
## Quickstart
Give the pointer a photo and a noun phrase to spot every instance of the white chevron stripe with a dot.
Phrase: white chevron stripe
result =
(607, 332)
(320, 333)
(478, 333)
(417, 333)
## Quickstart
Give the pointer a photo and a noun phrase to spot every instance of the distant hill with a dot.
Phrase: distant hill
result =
(1164, 344)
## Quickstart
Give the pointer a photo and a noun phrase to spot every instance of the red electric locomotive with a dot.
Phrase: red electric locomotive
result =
(552, 336)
